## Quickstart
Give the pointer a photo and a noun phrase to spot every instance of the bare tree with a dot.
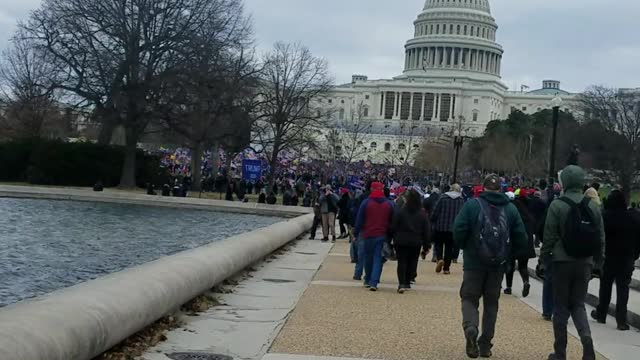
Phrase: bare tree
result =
(27, 99)
(356, 132)
(118, 55)
(214, 92)
(292, 84)
(618, 111)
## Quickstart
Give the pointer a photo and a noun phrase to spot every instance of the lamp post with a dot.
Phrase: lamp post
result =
(555, 104)
(458, 141)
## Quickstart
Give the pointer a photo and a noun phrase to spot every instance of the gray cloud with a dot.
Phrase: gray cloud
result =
(580, 42)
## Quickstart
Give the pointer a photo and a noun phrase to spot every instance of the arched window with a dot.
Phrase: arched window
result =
(341, 114)
(374, 145)
(387, 147)
(402, 147)
(365, 111)
(458, 29)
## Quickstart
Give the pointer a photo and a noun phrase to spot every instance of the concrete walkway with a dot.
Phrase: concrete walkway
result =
(337, 318)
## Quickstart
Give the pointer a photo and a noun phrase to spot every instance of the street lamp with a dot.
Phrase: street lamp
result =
(555, 104)
(458, 140)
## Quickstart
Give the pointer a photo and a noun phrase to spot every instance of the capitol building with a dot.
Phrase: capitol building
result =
(451, 81)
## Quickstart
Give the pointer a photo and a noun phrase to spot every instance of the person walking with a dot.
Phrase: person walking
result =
(521, 203)
(622, 246)
(444, 214)
(490, 231)
(328, 208)
(574, 238)
(411, 232)
(317, 217)
(372, 228)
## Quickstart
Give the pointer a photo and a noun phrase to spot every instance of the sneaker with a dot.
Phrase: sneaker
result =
(401, 290)
(312, 237)
(447, 272)
(526, 289)
(507, 291)
(547, 317)
(598, 318)
(623, 327)
(471, 334)
(367, 285)
(439, 266)
(357, 278)
(333, 238)
(325, 239)
(373, 288)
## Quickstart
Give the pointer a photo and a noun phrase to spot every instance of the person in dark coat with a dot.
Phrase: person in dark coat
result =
(521, 203)
(442, 218)
(317, 216)
(622, 244)
(286, 197)
(271, 199)
(343, 212)
(262, 198)
(231, 189)
(294, 200)
(538, 210)
(411, 232)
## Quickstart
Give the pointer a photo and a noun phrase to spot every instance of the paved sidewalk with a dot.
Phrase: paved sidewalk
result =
(338, 318)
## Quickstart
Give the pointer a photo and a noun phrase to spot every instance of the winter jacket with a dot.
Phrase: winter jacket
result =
(466, 231)
(622, 229)
(374, 218)
(329, 203)
(430, 203)
(411, 229)
(572, 179)
(529, 224)
(446, 211)
(343, 207)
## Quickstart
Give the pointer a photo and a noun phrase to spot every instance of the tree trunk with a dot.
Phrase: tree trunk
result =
(106, 130)
(196, 167)
(215, 159)
(128, 178)
(273, 168)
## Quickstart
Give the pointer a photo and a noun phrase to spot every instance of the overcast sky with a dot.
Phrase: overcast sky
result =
(579, 42)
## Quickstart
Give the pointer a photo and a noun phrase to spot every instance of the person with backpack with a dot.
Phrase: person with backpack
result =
(622, 229)
(490, 232)
(574, 239)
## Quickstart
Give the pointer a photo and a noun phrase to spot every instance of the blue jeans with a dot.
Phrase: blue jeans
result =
(547, 287)
(373, 260)
(353, 251)
(358, 247)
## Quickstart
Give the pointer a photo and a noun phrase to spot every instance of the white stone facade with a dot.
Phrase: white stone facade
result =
(451, 75)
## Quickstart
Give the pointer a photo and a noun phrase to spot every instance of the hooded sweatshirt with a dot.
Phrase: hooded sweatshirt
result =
(572, 180)
(374, 216)
(446, 210)
(466, 231)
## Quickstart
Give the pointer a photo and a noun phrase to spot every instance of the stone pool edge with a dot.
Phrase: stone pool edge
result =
(129, 198)
(82, 321)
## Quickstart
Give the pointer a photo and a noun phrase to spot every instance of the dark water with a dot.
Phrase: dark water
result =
(48, 245)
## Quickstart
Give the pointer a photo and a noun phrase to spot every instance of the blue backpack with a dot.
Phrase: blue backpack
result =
(493, 244)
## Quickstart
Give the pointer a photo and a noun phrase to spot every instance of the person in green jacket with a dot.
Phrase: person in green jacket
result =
(481, 280)
(571, 275)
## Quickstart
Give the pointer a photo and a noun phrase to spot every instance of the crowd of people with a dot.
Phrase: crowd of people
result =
(497, 225)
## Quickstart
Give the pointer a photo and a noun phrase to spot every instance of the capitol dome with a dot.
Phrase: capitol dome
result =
(454, 37)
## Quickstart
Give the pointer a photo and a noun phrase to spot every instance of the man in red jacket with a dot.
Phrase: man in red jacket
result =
(372, 227)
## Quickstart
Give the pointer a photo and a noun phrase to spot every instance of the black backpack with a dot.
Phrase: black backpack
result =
(581, 234)
(493, 244)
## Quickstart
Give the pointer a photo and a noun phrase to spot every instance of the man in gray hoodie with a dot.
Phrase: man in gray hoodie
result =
(571, 275)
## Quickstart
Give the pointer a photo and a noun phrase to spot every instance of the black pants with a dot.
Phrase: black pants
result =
(618, 271)
(570, 285)
(314, 227)
(485, 285)
(407, 264)
(523, 269)
(444, 247)
(343, 228)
